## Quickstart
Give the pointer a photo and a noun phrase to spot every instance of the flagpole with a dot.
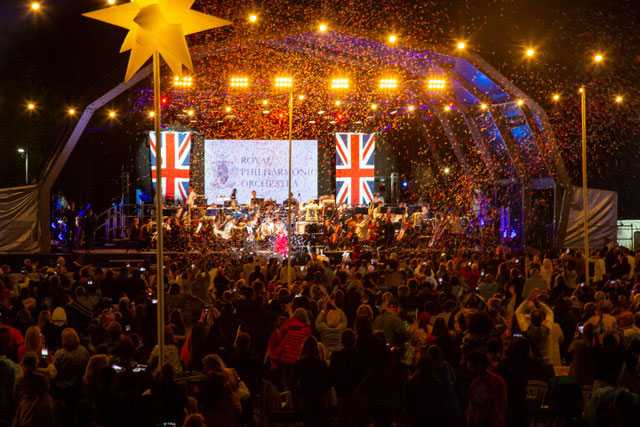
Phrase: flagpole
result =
(159, 215)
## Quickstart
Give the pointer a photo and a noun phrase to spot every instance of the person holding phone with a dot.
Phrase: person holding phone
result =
(34, 343)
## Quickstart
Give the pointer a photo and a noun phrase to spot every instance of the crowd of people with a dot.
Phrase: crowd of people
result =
(401, 336)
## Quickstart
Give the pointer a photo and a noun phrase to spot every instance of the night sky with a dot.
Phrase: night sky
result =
(59, 58)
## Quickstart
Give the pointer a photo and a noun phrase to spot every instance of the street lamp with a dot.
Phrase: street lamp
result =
(24, 153)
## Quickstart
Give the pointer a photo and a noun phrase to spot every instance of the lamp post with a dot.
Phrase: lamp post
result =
(597, 59)
(585, 190)
(287, 83)
(25, 153)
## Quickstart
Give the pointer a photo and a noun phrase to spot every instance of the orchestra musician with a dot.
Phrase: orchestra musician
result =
(254, 202)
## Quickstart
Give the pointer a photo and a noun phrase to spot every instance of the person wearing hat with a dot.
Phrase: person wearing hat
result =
(330, 324)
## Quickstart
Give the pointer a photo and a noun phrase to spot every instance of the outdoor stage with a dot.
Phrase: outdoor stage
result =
(444, 129)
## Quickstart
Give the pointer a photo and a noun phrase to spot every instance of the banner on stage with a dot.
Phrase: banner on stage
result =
(355, 168)
(176, 156)
(260, 166)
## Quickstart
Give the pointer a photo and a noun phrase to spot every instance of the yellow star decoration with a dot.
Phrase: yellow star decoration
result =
(157, 25)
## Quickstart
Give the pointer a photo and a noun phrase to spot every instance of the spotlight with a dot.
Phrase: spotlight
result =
(283, 82)
(411, 108)
(619, 99)
(253, 18)
(31, 106)
(301, 97)
(483, 106)
(555, 97)
(530, 52)
(340, 83)
(373, 107)
(436, 84)
(227, 109)
(461, 45)
(598, 57)
(338, 103)
(112, 114)
(71, 111)
(265, 102)
(239, 82)
(151, 114)
(111, 2)
(388, 83)
(392, 39)
(190, 112)
(446, 170)
(447, 108)
(323, 27)
(519, 102)
(35, 6)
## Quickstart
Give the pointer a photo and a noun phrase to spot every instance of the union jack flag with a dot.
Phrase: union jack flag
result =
(176, 154)
(355, 168)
